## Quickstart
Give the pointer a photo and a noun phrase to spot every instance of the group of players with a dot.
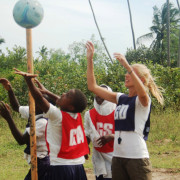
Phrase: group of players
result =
(117, 126)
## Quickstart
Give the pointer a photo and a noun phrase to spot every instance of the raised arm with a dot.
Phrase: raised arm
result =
(91, 81)
(53, 97)
(37, 95)
(138, 83)
(12, 98)
(6, 114)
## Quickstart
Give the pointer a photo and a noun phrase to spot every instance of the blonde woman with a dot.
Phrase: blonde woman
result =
(132, 117)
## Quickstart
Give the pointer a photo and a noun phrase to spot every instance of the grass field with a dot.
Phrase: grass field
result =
(163, 145)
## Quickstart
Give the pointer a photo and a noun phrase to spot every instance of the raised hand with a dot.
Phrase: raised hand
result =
(122, 60)
(90, 50)
(6, 114)
(5, 111)
(6, 84)
(40, 86)
(25, 74)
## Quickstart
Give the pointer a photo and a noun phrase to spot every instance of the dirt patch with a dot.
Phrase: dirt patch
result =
(166, 174)
(158, 174)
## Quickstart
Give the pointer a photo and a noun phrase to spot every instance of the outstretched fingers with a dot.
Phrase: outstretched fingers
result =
(41, 87)
(5, 111)
(20, 72)
(90, 50)
(118, 56)
(17, 70)
(89, 46)
(121, 59)
(3, 80)
(5, 83)
(8, 107)
(38, 83)
(2, 106)
(25, 74)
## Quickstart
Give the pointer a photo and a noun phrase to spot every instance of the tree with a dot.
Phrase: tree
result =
(99, 31)
(134, 42)
(43, 52)
(168, 34)
(142, 54)
(77, 50)
(178, 61)
(158, 32)
(1, 41)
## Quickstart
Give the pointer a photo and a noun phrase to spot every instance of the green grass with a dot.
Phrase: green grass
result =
(13, 165)
(164, 140)
(163, 145)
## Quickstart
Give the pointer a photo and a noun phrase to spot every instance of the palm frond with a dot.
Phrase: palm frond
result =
(144, 38)
(2, 40)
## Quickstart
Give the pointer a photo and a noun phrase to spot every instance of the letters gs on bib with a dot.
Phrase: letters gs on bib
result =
(104, 128)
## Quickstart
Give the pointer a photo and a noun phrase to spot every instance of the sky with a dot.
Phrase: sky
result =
(68, 21)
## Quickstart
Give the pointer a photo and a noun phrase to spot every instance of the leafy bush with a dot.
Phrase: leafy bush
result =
(60, 71)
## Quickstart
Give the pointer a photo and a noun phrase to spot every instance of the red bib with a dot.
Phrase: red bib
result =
(104, 126)
(74, 143)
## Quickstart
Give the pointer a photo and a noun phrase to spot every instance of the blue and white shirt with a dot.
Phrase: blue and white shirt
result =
(130, 119)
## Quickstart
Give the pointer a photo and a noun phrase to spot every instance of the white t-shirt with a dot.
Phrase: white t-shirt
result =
(54, 137)
(133, 145)
(40, 132)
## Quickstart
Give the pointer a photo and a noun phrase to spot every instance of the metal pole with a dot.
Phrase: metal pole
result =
(34, 175)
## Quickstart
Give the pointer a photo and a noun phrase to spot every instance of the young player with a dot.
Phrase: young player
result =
(99, 128)
(66, 139)
(24, 138)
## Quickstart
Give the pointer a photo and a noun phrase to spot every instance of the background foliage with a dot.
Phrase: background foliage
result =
(60, 71)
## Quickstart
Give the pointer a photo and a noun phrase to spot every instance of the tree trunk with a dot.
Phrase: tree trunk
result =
(178, 60)
(100, 31)
(134, 42)
(168, 35)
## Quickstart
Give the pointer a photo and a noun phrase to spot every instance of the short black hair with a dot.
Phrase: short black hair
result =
(79, 101)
